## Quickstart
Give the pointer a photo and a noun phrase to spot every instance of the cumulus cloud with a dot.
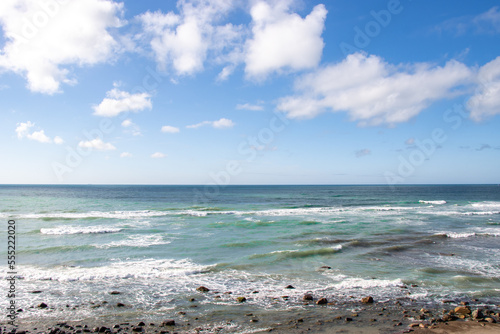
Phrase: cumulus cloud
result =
(127, 123)
(97, 144)
(126, 155)
(24, 130)
(282, 39)
(182, 41)
(158, 155)
(169, 129)
(372, 91)
(117, 101)
(248, 106)
(486, 101)
(222, 123)
(45, 39)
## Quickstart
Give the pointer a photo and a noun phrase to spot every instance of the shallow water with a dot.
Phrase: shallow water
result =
(157, 244)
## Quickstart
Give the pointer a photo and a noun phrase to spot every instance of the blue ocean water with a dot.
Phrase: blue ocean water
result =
(157, 244)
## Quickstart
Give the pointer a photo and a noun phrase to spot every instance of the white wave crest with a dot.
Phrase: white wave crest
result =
(68, 229)
(433, 202)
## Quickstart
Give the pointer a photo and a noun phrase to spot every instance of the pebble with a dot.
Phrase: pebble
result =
(307, 296)
(241, 299)
(202, 289)
(289, 287)
(322, 301)
(367, 300)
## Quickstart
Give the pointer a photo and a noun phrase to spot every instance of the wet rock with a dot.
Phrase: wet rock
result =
(307, 296)
(367, 300)
(241, 299)
(289, 287)
(449, 317)
(322, 301)
(463, 310)
(477, 314)
(42, 305)
(202, 289)
(168, 323)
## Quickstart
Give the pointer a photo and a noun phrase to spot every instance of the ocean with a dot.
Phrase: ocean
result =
(153, 246)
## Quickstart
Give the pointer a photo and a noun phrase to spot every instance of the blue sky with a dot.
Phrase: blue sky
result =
(249, 92)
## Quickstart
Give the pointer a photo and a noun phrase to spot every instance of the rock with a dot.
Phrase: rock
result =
(289, 287)
(192, 299)
(116, 326)
(114, 292)
(462, 310)
(36, 291)
(464, 303)
(347, 319)
(490, 320)
(447, 301)
(141, 324)
(413, 325)
(137, 329)
(477, 314)
(168, 323)
(102, 329)
(241, 299)
(322, 301)
(202, 289)
(307, 296)
(42, 305)
(367, 300)
(423, 310)
(120, 305)
(255, 291)
(449, 317)
(325, 267)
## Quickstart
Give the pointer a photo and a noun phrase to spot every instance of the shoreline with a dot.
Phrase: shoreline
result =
(312, 316)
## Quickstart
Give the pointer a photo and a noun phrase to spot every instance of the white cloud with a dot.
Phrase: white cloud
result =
(222, 123)
(97, 144)
(46, 39)
(183, 40)
(248, 106)
(126, 123)
(282, 39)
(372, 91)
(485, 102)
(126, 155)
(118, 101)
(169, 129)
(158, 155)
(23, 131)
(39, 136)
(58, 140)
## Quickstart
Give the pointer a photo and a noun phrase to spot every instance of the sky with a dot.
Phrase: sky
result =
(227, 92)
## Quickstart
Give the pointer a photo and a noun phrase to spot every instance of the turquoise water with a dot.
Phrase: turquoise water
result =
(157, 244)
